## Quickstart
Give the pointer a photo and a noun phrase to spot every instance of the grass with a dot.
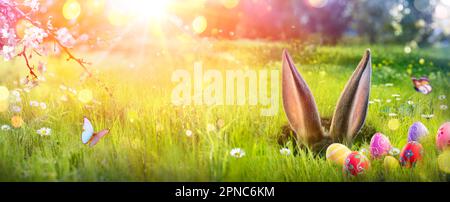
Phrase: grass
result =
(148, 142)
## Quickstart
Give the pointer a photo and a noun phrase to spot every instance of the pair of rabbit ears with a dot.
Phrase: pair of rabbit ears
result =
(301, 109)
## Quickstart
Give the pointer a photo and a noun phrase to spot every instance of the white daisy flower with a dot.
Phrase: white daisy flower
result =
(43, 105)
(44, 131)
(63, 87)
(285, 151)
(392, 114)
(34, 103)
(442, 97)
(410, 102)
(5, 127)
(16, 109)
(394, 151)
(15, 96)
(427, 116)
(237, 153)
(443, 107)
(210, 127)
(188, 133)
(64, 98)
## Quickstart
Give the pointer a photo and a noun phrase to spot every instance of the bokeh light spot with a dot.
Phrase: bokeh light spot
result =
(199, 24)
(407, 49)
(318, 3)
(394, 124)
(85, 96)
(3, 106)
(4, 93)
(71, 9)
(230, 3)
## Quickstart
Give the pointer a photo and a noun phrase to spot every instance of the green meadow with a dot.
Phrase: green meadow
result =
(153, 140)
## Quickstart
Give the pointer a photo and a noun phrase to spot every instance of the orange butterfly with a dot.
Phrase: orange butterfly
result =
(422, 85)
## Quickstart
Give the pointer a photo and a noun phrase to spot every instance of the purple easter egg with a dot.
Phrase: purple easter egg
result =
(417, 131)
(379, 145)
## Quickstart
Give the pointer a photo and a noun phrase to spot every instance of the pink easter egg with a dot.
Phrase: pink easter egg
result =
(379, 145)
(443, 136)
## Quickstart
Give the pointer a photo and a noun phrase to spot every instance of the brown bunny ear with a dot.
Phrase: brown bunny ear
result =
(299, 104)
(351, 110)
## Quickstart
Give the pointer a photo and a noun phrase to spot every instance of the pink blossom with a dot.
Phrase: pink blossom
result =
(65, 38)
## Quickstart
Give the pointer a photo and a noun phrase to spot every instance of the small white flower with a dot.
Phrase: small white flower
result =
(16, 109)
(15, 96)
(6, 127)
(188, 133)
(43, 105)
(443, 107)
(237, 153)
(73, 91)
(394, 151)
(395, 95)
(392, 114)
(377, 100)
(442, 97)
(388, 100)
(44, 131)
(34, 103)
(8, 52)
(389, 84)
(285, 151)
(33, 4)
(65, 38)
(210, 127)
(427, 116)
(410, 102)
(63, 87)
(371, 102)
(64, 98)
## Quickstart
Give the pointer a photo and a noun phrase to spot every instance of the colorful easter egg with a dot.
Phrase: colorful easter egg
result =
(417, 131)
(379, 145)
(443, 136)
(356, 164)
(411, 154)
(444, 161)
(337, 153)
(390, 163)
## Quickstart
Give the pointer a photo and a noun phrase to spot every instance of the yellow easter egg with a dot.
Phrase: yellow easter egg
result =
(337, 153)
(444, 161)
(390, 163)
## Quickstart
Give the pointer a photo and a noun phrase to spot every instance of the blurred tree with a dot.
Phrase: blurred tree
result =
(373, 19)
(416, 25)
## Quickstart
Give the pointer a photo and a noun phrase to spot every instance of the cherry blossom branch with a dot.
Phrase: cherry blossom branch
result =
(30, 68)
(50, 33)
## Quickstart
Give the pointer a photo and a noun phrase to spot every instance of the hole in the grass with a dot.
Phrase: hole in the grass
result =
(288, 135)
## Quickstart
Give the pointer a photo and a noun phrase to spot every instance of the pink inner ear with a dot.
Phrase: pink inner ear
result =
(299, 104)
(97, 136)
